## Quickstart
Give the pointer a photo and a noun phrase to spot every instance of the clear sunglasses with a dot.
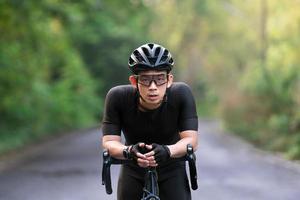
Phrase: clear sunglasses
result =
(146, 80)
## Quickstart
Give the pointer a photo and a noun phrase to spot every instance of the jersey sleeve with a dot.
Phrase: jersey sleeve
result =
(188, 119)
(111, 123)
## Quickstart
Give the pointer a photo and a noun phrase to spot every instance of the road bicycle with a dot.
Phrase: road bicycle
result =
(150, 191)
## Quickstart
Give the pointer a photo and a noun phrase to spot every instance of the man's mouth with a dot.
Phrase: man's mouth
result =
(152, 96)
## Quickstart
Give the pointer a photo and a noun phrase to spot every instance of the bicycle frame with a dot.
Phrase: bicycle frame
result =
(151, 190)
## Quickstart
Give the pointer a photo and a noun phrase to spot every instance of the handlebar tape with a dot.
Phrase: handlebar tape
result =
(106, 178)
(191, 158)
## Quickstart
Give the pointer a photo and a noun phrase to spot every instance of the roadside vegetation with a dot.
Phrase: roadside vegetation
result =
(57, 60)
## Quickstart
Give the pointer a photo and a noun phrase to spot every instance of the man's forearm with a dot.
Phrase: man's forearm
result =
(114, 146)
(179, 149)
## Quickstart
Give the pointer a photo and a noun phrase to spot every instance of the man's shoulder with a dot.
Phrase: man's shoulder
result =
(179, 86)
(121, 90)
(180, 91)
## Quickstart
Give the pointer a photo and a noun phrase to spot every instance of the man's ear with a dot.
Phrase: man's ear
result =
(170, 80)
(132, 80)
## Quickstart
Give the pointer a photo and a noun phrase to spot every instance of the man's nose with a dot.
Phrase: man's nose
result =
(152, 85)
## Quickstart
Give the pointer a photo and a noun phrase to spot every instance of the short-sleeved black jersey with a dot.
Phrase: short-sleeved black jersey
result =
(162, 125)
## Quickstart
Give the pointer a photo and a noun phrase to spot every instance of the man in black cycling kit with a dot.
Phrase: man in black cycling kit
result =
(158, 119)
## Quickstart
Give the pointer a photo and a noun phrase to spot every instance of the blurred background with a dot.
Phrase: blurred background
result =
(59, 58)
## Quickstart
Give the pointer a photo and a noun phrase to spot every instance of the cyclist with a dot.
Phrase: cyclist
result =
(157, 118)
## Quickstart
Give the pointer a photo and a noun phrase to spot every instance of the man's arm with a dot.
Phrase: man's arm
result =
(188, 121)
(187, 137)
(115, 148)
(176, 150)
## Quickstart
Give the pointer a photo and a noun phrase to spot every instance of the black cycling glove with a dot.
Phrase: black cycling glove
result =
(162, 153)
(137, 149)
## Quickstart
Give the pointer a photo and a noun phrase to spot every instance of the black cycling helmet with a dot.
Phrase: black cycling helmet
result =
(150, 57)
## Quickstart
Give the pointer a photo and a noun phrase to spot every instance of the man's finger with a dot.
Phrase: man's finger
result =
(141, 144)
(153, 164)
(142, 162)
(139, 155)
(151, 153)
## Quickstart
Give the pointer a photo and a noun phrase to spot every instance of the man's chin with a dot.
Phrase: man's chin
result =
(153, 104)
(154, 101)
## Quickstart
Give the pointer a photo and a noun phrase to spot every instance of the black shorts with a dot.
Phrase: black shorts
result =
(172, 182)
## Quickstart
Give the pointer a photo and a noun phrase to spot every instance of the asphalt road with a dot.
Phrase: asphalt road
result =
(69, 168)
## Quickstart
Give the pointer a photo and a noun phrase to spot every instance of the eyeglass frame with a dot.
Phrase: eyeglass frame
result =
(166, 76)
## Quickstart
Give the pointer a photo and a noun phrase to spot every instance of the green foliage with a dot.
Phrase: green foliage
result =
(57, 59)
(267, 104)
(105, 38)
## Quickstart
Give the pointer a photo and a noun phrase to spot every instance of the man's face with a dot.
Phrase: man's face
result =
(152, 87)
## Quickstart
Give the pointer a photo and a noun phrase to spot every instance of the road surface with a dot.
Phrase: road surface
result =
(69, 168)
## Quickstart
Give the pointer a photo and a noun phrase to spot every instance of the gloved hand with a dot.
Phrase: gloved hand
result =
(136, 149)
(161, 153)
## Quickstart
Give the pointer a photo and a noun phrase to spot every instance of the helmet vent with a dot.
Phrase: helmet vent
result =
(138, 56)
(166, 52)
(157, 50)
(152, 60)
(151, 45)
(163, 58)
(146, 52)
(131, 61)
